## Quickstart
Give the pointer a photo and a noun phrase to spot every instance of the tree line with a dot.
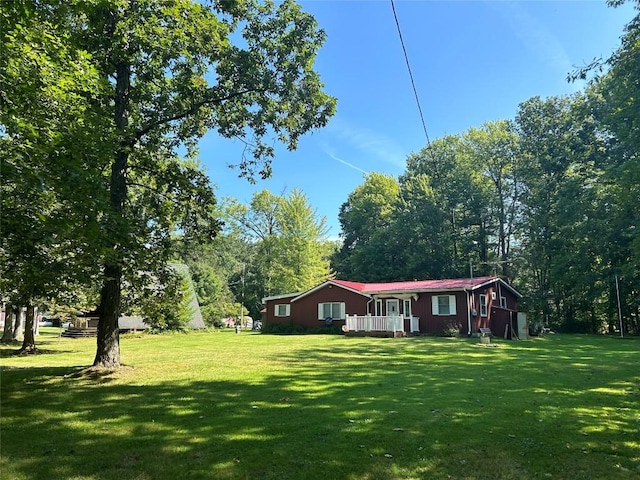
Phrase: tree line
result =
(548, 201)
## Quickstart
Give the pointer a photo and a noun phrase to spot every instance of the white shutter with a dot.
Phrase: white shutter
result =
(452, 304)
(320, 311)
(434, 305)
(342, 311)
(287, 310)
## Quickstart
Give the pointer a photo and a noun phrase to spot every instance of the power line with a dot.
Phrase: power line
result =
(413, 84)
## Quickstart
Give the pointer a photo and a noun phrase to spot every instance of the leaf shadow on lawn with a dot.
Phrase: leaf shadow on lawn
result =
(372, 408)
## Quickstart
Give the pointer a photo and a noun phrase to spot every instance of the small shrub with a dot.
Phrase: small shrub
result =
(326, 330)
(452, 330)
(292, 329)
(282, 328)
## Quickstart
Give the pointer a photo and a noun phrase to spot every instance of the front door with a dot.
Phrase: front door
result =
(393, 307)
(393, 310)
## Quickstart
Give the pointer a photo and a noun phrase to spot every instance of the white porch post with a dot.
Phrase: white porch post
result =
(468, 313)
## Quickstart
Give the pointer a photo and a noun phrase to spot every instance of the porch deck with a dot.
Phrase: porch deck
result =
(380, 325)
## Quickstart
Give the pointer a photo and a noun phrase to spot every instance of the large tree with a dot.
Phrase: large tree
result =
(423, 230)
(169, 71)
(461, 195)
(564, 221)
(619, 103)
(493, 151)
(287, 248)
(367, 218)
(50, 190)
(302, 244)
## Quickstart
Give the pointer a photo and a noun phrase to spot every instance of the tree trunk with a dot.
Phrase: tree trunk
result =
(36, 321)
(108, 347)
(502, 231)
(484, 249)
(9, 324)
(29, 342)
(18, 328)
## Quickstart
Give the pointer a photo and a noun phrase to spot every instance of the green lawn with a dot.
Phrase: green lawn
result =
(251, 406)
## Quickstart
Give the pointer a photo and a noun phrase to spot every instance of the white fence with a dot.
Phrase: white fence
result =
(378, 323)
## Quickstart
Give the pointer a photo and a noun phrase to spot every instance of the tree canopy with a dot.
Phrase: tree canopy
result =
(286, 243)
(148, 79)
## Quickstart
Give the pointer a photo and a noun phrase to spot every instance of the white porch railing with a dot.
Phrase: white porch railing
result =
(375, 323)
(415, 324)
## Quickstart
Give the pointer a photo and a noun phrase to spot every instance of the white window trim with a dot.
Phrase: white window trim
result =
(435, 305)
(406, 311)
(483, 305)
(341, 316)
(503, 302)
(287, 310)
(378, 310)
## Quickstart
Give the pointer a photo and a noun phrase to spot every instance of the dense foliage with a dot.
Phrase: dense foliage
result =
(548, 200)
(277, 244)
(99, 97)
(166, 303)
(543, 201)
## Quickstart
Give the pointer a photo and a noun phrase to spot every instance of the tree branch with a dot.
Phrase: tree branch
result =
(190, 111)
(154, 190)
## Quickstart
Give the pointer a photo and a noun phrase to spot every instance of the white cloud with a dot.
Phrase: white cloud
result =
(344, 162)
(369, 142)
(329, 152)
(535, 36)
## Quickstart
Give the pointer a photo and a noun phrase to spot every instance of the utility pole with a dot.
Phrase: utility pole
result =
(242, 297)
(619, 308)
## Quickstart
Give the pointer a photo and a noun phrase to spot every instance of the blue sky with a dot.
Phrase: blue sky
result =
(472, 61)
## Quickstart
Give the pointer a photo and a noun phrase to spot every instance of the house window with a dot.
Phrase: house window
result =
(378, 308)
(443, 304)
(283, 310)
(406, 308)
(503, 302)
(334, 310)
(483, 305)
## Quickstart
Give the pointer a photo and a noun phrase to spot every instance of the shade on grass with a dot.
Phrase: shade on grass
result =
(251, 406)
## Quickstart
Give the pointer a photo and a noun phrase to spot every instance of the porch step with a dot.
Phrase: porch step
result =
(74, 332)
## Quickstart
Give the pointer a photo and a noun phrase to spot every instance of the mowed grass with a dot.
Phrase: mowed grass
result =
(250, 406)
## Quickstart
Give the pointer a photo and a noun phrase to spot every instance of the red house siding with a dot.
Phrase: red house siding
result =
(497, 316)
(434, 324)
(304, 310)
(269, 317)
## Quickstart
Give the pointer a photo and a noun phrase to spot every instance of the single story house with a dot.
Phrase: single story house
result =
(416, 307)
